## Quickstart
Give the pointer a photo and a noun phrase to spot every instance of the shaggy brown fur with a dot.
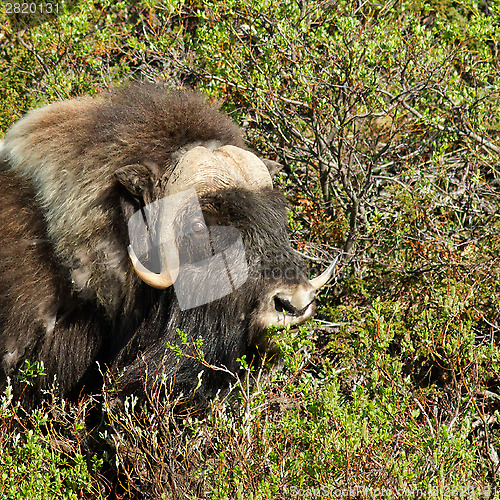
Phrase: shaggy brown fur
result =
(38, 319)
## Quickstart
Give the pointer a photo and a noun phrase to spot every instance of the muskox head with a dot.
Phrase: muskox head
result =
(193, 247)
(215, 241)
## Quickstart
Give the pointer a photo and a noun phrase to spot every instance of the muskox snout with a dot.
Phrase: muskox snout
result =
(290, 305)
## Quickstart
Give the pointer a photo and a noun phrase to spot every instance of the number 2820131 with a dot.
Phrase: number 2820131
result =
(31, 8)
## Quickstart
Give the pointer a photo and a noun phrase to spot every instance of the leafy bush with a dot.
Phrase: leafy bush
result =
(37, 460)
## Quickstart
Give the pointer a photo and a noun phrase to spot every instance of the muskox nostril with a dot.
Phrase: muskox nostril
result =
(295, 304)
(283, 305)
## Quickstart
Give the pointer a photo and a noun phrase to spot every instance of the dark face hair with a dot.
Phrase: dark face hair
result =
(229, 326)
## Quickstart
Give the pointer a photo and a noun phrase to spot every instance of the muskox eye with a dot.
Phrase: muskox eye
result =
(198, 227)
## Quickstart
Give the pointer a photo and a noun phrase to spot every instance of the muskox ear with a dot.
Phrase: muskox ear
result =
(273, 166)
(137, 179)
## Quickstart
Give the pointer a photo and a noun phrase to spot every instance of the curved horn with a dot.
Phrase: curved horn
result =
(202, 170)
(323, 278)
(251, 172)
(163, 280)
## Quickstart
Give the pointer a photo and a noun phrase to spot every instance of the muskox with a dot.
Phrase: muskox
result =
(128, 218)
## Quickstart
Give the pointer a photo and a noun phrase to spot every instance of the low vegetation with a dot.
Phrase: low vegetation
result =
(386, 119)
